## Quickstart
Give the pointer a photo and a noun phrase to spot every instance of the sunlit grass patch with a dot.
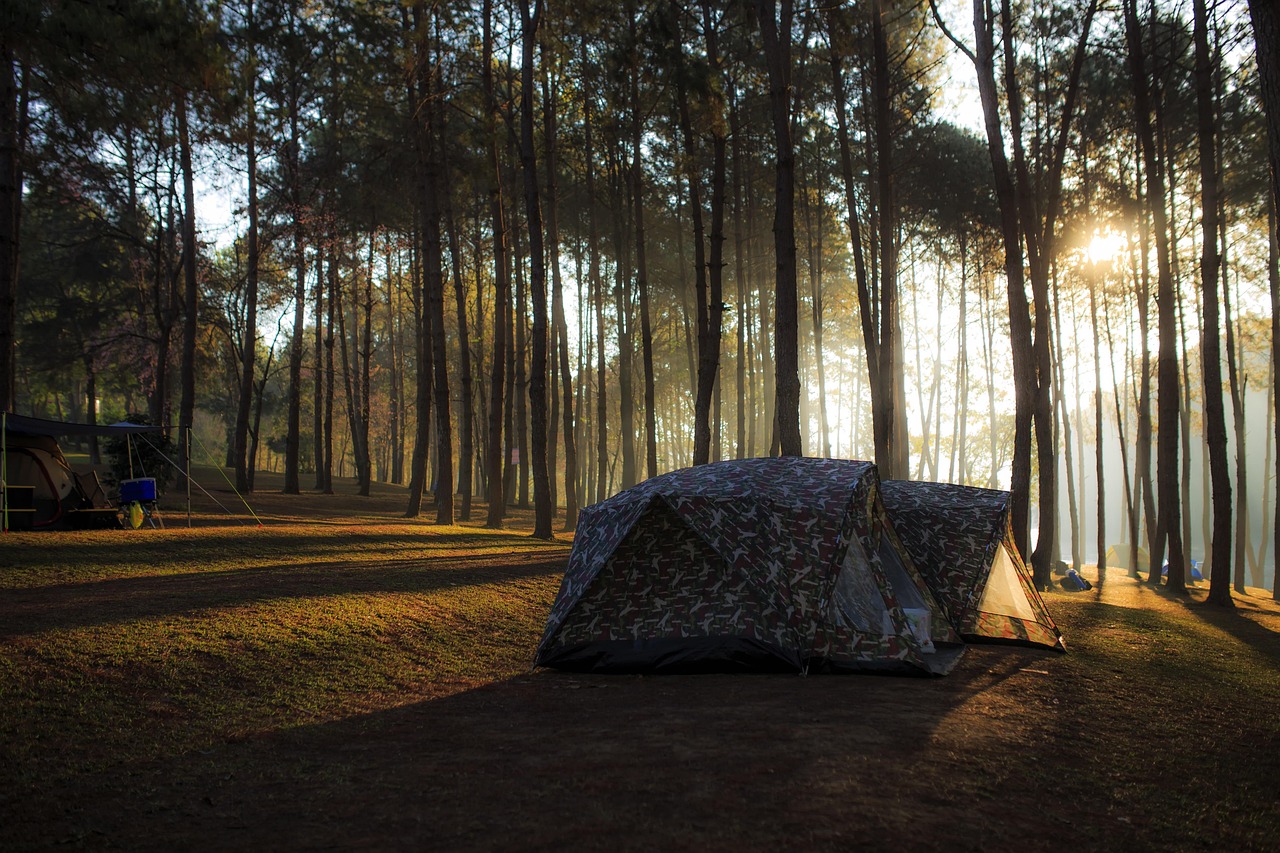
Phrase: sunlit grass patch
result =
(119, 647)
(46, 559)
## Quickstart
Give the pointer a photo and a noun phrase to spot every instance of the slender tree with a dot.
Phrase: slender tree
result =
(1169, 523)
(543, 511)
(501, 281)
(775, 19)
(1266, 39)
(249, 342)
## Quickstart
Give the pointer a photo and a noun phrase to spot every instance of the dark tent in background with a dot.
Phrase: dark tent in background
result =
(753, 564)
(40, 489)
(960, 541)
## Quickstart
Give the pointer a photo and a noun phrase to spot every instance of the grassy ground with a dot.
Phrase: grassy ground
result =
(361, 681)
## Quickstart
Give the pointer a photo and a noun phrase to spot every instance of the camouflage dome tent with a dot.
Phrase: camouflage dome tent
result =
(754, 564)
(960, 540)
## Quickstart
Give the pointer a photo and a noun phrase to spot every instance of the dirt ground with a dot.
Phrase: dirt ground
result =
(1017, 749)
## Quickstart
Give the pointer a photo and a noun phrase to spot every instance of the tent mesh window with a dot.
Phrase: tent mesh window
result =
(858, 603)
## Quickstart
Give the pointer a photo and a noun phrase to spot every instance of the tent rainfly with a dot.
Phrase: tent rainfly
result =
(960, 540)
(753, 564)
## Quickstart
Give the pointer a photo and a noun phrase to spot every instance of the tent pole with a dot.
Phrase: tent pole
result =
(188, 472)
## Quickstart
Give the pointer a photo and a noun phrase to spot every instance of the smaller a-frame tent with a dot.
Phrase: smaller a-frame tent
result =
(754, 564)
(960, 540)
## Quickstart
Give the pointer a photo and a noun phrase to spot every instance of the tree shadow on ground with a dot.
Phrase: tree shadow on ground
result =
(551, 761)
(1253, 621)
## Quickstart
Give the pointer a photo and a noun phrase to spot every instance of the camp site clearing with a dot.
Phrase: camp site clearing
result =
(341, 678)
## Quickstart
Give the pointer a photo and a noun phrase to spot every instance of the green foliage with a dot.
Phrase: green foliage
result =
(141, 455)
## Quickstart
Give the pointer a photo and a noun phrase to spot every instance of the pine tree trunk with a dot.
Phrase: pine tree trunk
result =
(775, 27)
(1240, 493)
(1266, 37)
(293, 436)
(866, 312)
(642, 267)
(962, 383)
(331, 305)
(740, 282)
(12, 106)
(466, 446)
(597, 300)
(625, 322)
(707, 359)
(543, 510)
(249, 338)
(190, 294)
(550, 94)
(1099, 457)
(501, 283)
(1215, 417)
(1024, 379)
(1061, 403)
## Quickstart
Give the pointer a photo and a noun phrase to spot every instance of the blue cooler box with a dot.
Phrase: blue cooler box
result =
(143, 490)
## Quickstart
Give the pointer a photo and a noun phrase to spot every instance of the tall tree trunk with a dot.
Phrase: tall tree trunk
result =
(430, 189)
(1144, 494)
(1024, 378)
(331, 308)
(12, 109)
(775, 29)
(739, 280)
(813, 243)
(891, 421)
(1099, 457)
(1239, 387)
(1028, 212)
(597, 297)
(520, 371)
(550, 95)
(501, 284)
(626, 350)
(709, 276)
(249, 341)
(349, 351)
(419, 475)
(466, 444)
(1130, 515)
(642, 267)
(1167, 365)
(962, 383)
(190, 293)
(317, 391)
(388, 459)
(293, 434)
(1266, 37)
(1061, 402)
(542, 508)
(365, 355)
(868, 311)
(707, 360)
(1273, 276)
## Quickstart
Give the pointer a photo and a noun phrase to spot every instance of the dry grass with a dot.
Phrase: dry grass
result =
(364, 683)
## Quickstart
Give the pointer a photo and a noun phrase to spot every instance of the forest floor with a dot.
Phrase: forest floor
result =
(342, 678)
